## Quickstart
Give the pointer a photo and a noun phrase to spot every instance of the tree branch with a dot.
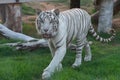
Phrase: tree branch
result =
(28, 45)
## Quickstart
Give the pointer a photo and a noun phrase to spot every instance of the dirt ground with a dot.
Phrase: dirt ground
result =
(116, 23)
(51, 5)
(48, 5)
(43, 6)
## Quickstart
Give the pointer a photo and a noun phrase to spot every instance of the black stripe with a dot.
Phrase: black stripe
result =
(59, 46)
(60, 40)
(78, 49)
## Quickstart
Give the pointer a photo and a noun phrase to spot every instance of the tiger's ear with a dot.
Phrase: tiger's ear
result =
(38, 11)
(57, 12)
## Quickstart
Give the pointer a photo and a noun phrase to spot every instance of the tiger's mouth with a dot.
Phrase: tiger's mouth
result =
(47, 36)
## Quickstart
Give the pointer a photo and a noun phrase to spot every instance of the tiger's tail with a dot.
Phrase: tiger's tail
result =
(101, 39)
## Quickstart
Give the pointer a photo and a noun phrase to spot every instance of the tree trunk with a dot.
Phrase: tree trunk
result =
(74, 4)
(105, 16)
(2, 12)
(97, 3)
(18, 19)
(117, 7)
(13, 17)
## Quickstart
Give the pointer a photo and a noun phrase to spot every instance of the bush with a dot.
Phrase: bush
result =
(28, 10)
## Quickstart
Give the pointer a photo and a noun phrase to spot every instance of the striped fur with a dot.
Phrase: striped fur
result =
(62, 28)
(99, 38)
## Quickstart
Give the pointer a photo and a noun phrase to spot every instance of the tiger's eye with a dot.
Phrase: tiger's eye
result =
(41, 21)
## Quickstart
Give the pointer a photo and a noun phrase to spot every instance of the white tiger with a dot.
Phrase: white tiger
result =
(60, 29)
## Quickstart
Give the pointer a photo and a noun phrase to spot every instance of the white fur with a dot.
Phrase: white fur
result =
(76, 28)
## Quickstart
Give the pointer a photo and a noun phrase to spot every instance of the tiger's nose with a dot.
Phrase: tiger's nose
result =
(45, 30)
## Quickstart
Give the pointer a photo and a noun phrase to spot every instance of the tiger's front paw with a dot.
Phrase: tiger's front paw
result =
(59, 67)
(46, 75)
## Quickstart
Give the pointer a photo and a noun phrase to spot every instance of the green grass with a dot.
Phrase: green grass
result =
(21, 65)
(30, 29)
(26, 65)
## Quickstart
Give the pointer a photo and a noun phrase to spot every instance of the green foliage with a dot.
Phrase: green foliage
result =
(26, 65)
(29, 29)
(27, 10)
(86, 2)
(62, 1)
(4, 40)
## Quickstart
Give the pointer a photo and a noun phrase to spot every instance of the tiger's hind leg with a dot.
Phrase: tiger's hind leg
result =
(78, 58)
(88, 55)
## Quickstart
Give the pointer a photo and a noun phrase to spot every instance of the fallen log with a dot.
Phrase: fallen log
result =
(29, 43)
(14, 35)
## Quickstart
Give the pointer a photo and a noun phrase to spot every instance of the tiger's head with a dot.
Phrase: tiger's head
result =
(47, 23)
